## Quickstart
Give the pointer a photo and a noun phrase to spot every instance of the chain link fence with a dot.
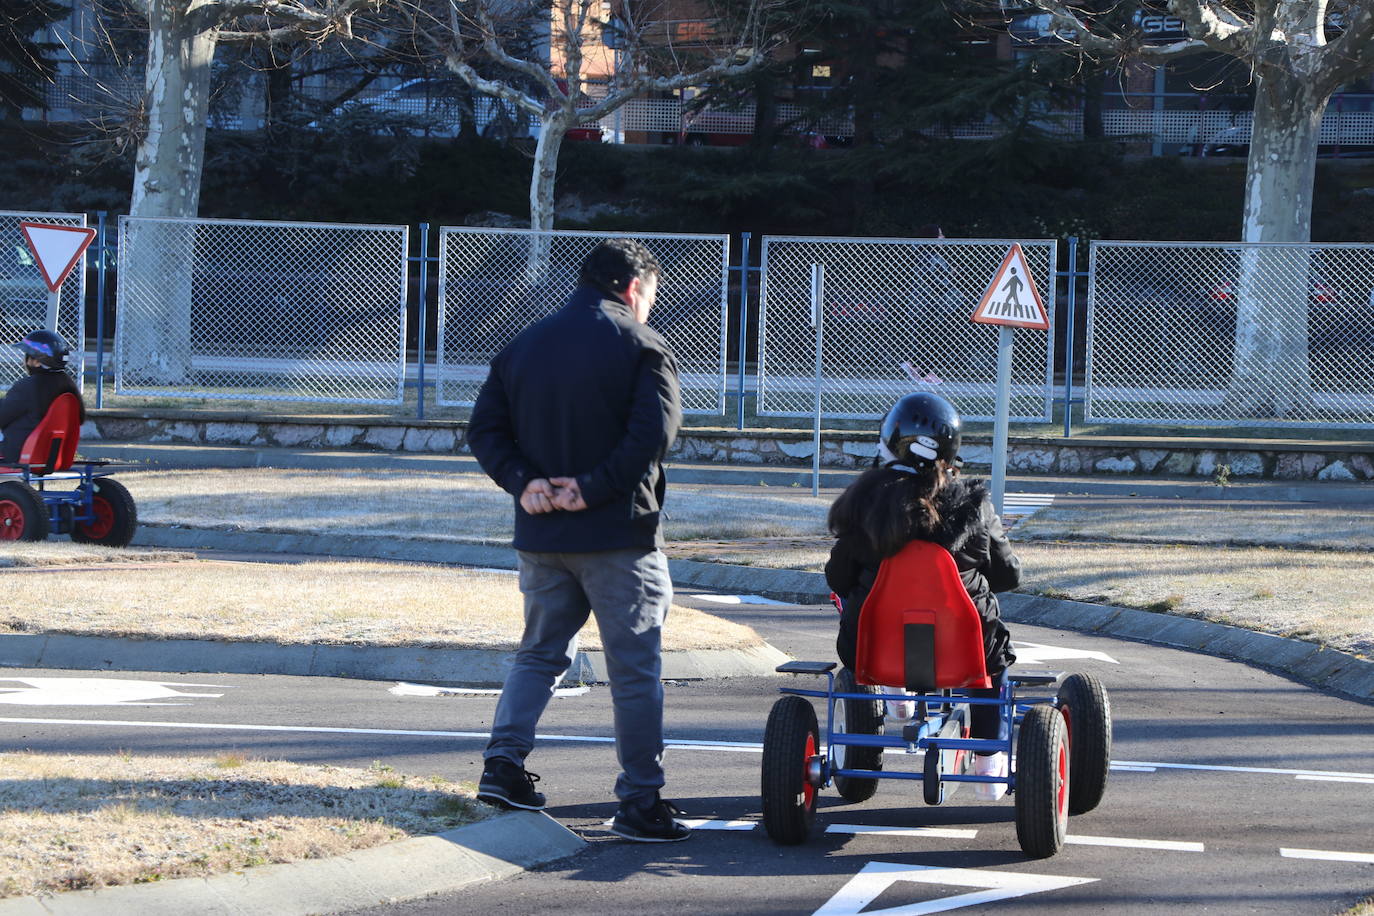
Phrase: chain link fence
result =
(495, 282)
(24, 295)
(261, 310)
(1230, 334)
(895, 319)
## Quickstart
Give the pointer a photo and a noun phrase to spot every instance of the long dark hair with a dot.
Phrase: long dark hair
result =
(889, 508)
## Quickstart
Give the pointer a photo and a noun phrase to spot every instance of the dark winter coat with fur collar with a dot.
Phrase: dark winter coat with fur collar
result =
(968, 528)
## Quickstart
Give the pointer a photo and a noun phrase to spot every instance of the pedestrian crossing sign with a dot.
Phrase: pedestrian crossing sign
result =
(1012, 299)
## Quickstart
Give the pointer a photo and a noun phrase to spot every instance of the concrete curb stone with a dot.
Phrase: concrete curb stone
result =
(407, 869)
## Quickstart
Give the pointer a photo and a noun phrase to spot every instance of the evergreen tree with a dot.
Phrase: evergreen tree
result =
(24, 62)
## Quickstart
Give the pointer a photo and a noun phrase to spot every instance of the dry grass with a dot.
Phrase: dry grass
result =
(69, 822)
(66, 553)
(459, 506)
(338, 602)
(1364, 908)
(1321, 597)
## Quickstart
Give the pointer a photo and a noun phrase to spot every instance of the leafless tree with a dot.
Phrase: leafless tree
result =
(1298, 52)
(546, 75)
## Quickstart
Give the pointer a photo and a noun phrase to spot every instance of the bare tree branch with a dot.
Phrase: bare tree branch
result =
(1352, 54)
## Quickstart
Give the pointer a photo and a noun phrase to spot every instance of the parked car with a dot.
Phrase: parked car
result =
(1235, 142)
(23, 297)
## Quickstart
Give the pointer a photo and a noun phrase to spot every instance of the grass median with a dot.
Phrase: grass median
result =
(69, 822)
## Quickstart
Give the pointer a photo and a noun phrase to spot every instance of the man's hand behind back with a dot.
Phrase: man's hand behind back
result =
(567, 494)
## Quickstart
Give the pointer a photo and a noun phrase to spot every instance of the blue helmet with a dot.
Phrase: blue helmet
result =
(47, 347)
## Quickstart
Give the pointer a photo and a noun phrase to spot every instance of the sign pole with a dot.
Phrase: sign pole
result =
(54, 300)
(1005, 336)
(817, 295)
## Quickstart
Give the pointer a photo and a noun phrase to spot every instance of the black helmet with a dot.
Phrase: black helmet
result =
(47, 347)
(920, 428)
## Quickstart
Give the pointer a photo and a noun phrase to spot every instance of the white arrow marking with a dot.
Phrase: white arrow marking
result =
(1032, 653)
(94, 691)
(1327, 855)
(876, 877)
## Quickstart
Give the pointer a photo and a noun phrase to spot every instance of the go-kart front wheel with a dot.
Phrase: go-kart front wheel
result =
(1042, 782)
(790, 744)
(116, 518)
(857, 717)
(1083, 700)
(23, 515)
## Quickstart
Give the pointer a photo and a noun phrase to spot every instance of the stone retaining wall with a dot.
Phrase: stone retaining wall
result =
(1204, 458)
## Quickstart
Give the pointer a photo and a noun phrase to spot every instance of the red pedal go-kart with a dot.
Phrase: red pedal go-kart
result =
(919, 630)
(51, 492)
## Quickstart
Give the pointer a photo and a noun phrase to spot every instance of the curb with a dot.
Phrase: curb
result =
(408, 869)
(1307, 662)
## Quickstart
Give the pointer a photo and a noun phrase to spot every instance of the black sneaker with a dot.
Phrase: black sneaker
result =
(651, 823)
(509, 784)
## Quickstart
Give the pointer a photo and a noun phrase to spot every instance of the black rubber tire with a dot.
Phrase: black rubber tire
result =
(1085, 705)
(116, 516)
(23, 514)
(789, 740)
(858, 717)
(1042, 782)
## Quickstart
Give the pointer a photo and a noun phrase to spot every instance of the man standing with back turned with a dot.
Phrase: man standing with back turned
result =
(573, 421)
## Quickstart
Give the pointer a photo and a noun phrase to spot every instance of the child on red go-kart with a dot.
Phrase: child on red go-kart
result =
(915, 493)
(45, 357)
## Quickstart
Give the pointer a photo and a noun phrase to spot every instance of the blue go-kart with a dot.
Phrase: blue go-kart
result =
(918, 630)
(49, 491)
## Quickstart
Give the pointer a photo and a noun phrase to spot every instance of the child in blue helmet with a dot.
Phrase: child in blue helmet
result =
(915, 493)
(45, 358)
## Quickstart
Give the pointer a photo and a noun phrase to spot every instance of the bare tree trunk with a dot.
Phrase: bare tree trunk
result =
(552, 129)
(167, 173)
(1270, 377)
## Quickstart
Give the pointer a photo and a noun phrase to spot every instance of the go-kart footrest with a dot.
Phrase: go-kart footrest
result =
(805, 667)
(1035, 678)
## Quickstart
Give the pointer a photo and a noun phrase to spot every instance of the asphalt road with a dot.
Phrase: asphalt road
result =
(1219, 768)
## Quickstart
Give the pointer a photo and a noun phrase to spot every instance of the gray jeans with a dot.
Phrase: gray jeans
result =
(629, 591)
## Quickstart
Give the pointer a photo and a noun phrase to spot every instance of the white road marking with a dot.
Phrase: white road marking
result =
(1327, 855)
(95, 691)
(1032, 653)
(1176, 845)
(1130, 769)
(877, 877)
(947, 833)
(1368, 781)
(405, 689)
(1218, 768)
(739, 599)
(671, 743)
(705, 823)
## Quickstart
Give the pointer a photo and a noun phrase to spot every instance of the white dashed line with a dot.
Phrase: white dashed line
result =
(1175, 845)
(1355, 779)
(948, 833)
(1327, 855)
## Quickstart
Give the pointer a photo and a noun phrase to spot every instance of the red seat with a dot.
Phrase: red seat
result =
(51, 447)
(917, 628)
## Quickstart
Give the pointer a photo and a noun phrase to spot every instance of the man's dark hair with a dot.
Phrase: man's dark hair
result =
(615, 262)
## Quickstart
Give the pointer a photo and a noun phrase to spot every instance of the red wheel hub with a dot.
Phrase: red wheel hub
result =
(11, 520)
(103, 523)
(808, 790)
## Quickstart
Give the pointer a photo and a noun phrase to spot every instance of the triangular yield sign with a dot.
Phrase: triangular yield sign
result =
(1012, 298)
(56, 248)
(876, 877)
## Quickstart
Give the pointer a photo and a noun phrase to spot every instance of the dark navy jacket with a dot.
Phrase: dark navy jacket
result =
(24, 406)
(591, 393)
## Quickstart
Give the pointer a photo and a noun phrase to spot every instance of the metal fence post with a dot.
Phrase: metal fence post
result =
(100, 242)
(818, 320)
(423, 297)
(743, 317)
(1069, 335)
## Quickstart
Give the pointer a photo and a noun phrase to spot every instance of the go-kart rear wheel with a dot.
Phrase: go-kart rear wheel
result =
(1088, 712)
(857, 717)
(790, 742)
(23, 515)
(940, 763)
(116, 518)
(1042, 782)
